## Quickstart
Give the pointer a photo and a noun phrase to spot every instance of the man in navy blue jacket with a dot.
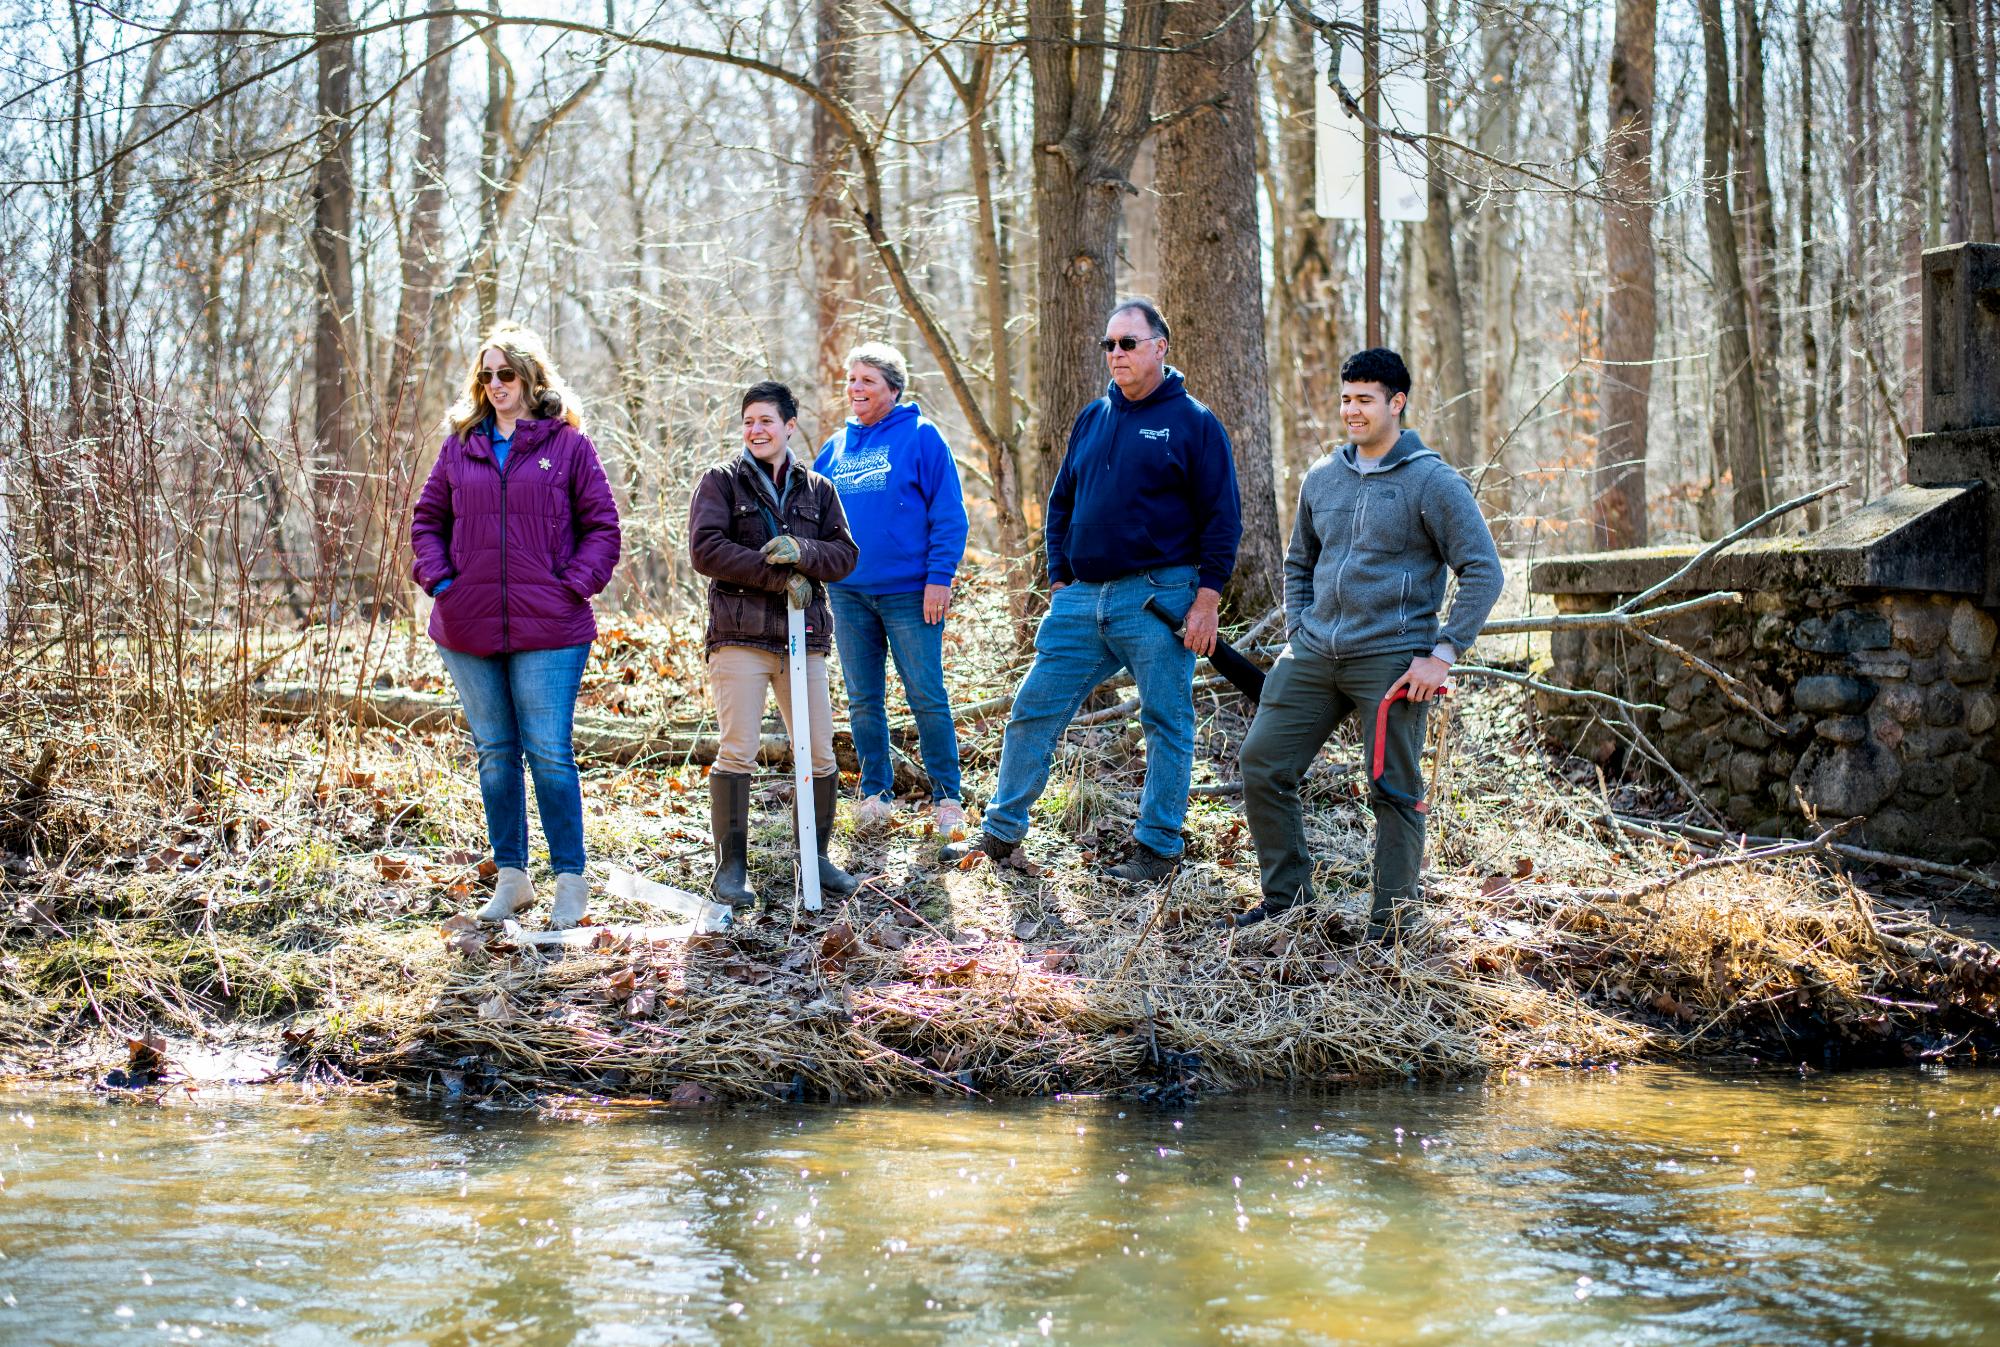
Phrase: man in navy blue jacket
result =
(1143, 507)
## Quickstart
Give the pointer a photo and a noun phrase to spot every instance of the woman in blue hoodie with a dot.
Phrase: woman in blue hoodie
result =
(900, 489)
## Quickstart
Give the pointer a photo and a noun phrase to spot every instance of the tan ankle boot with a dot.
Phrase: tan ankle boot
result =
(572, 901)
(512, 892)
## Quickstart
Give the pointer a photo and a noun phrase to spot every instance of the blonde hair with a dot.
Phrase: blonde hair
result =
(543, 392)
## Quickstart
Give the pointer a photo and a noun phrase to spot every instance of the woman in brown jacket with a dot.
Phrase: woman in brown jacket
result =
(768, 532)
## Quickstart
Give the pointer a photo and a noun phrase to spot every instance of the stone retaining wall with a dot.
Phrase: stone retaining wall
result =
(1887, 703)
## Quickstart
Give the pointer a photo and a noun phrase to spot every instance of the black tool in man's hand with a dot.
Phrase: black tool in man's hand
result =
(1243, 675)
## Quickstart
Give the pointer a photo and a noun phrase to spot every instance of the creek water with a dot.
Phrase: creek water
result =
(1633, 1207)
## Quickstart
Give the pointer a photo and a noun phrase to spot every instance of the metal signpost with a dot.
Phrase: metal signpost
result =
(1363, 175)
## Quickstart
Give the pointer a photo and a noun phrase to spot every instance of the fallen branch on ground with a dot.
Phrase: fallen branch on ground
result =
(1664, 830)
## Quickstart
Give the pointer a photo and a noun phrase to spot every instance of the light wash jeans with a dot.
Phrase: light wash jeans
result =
(524, 703)
(869, 629)
(1090, 633)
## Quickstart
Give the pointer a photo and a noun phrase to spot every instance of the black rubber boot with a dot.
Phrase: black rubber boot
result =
(833, 880)
(729, 823)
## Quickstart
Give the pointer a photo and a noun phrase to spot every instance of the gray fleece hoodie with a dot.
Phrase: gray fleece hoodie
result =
(1367, 567)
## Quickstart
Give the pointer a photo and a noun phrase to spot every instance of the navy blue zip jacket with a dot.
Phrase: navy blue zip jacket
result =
(1143, 485)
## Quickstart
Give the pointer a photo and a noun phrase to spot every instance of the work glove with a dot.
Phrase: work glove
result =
(782, 550)
(798, 591)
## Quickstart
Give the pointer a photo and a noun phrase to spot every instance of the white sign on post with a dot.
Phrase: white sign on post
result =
(1401, 105)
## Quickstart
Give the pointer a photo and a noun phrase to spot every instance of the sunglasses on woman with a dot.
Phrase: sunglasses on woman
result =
(503, 374)
(1123, 343)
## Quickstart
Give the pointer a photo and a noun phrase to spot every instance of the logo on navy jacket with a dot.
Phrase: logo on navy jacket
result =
(1160, 434)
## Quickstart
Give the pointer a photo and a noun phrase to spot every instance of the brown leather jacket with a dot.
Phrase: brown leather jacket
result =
(746, 594)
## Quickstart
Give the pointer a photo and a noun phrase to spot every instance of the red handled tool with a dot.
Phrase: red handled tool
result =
(1376, 761)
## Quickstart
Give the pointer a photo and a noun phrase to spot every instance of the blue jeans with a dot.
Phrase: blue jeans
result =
(1091, 632)
(519, 703)
(868, 628)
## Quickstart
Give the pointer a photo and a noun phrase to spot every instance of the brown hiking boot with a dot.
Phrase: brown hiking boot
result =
(999, 848)
(1143, 866)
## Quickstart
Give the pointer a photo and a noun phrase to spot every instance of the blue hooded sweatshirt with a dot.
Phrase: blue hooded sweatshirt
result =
(900, 488)
(1144, 485)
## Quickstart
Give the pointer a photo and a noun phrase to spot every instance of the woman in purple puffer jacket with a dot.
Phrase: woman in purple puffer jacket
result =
(514, 532)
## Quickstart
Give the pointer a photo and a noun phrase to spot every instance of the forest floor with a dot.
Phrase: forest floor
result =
(285, 900)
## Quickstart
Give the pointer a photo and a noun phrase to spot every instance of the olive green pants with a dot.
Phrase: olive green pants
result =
(1305, 698)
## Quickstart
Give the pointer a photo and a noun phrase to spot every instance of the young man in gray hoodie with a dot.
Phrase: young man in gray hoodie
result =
(1380, 522)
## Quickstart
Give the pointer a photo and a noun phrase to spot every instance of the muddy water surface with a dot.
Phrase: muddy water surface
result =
(1631, 1208)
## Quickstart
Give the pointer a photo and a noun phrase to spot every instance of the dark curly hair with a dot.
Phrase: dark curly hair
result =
(1377, 365)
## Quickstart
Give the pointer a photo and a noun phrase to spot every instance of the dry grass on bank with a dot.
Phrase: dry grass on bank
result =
(298, 883)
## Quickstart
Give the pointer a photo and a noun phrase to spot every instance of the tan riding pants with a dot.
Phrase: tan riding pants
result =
(740, 677)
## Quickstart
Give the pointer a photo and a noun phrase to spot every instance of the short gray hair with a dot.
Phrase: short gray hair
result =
(886, 360)
(1145, 309)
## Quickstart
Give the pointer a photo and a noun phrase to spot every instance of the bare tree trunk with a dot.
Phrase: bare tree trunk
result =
(1499, 263)
(333, 283)
(498, 121)
(88, 329)
(1140, 250)
(423, 238)
(1630, 321)
(1758, 213)
(836, 263)
(1968, 121)
(1307, 281)
(1990, 82)
(1212, 267)
(1921, 181)
(1737, 425)
(1451, 380)
(1084, 145)
(79, 309)
(386, 488)
(1003, 448)
(1858, 181)
(1811, 451)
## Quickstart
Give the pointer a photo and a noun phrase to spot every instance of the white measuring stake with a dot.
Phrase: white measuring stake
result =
(802, 770)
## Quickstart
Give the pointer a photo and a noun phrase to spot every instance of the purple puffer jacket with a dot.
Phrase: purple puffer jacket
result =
(524, 549)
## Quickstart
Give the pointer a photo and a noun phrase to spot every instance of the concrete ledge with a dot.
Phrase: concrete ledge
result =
(1923, 538)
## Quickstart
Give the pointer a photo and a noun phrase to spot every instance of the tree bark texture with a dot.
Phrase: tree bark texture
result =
(1758, 212)
(422, 264)
(1736, 428)
(1918, 183)
(493, 133)
(1450, 383)
(333, 366)
(1085, 139)
(1212, 267)
(836, 261)
(423, 242)
(1968, 120)
(996, 298)
(1495, 134)
(1310, 278)
(1630, 320)
(1810, 440)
